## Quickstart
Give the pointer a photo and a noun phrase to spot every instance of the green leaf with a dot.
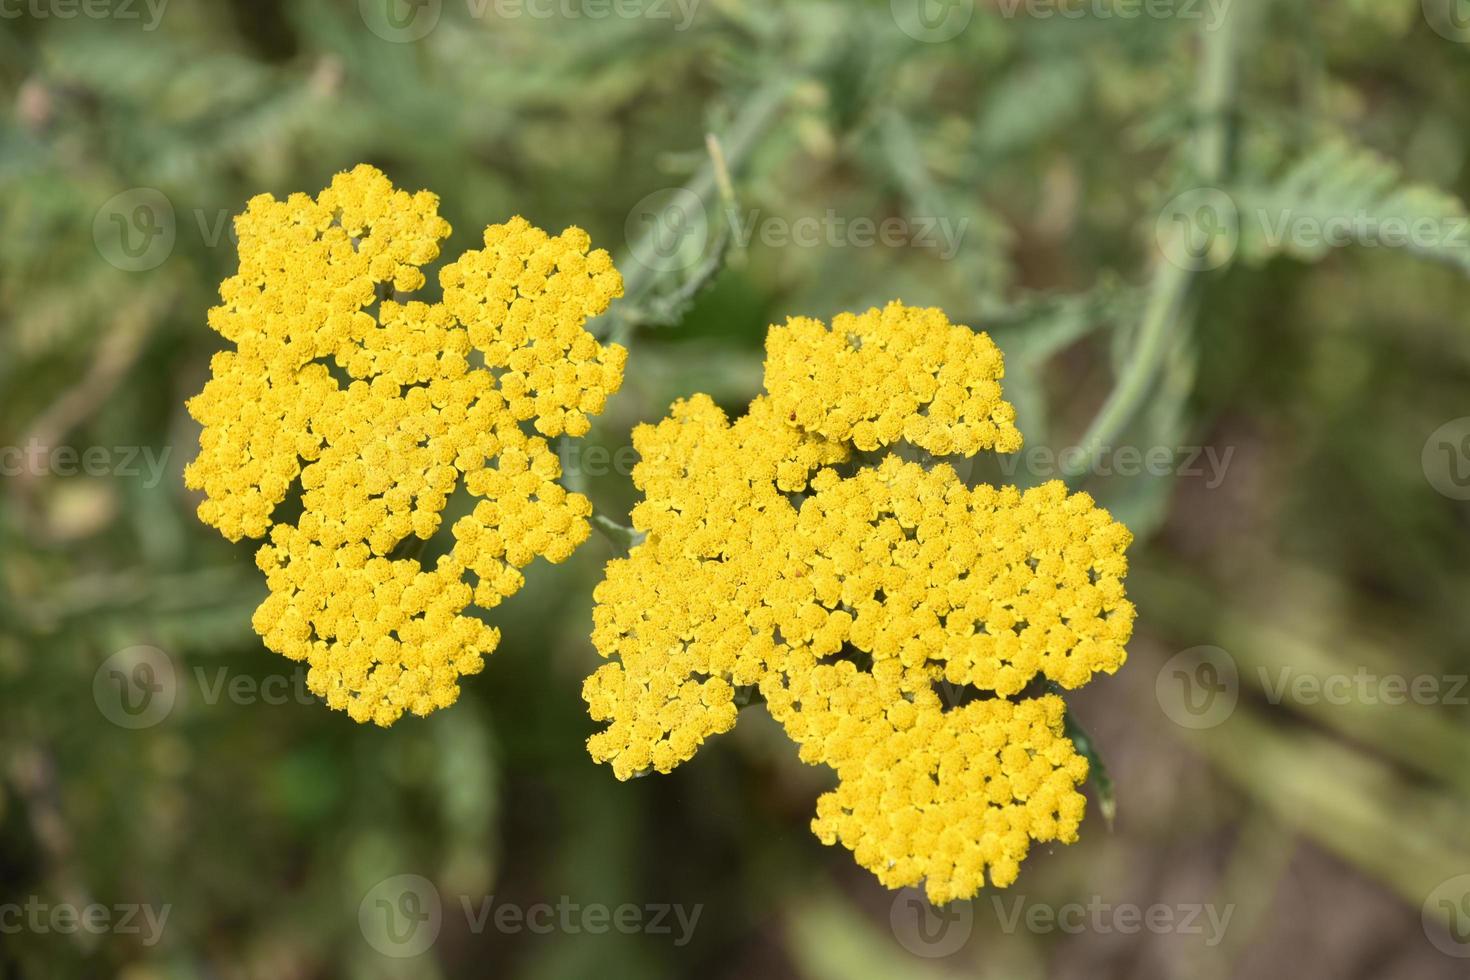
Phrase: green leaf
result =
(1343, 194)
(1097, 770)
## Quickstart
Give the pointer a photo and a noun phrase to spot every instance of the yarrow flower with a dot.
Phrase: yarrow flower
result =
(381, 406)
(902, 627)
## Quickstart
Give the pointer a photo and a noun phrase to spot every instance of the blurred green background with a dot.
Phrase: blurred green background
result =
(1307, 524)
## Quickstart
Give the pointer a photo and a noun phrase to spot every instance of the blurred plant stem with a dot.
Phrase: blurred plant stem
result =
(623, 538)
(1259, 859)
(1272, 648)
(726, 154)
(1166, 312)
(1349, 802)
(1097, 770)
(712, 180)
(32, 770)
(1343, 772)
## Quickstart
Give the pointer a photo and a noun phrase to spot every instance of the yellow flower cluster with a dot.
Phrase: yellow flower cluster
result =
(380, 407)
(941, 797)
(897, 622)
(899, 373)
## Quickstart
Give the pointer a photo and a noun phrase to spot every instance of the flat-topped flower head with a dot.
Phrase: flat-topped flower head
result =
(901, 625)
(379, 406)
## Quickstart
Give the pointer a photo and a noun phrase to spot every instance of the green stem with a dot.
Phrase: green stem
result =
(759, 112)
(622, 538)
(1097, 770)
(1165, 311)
